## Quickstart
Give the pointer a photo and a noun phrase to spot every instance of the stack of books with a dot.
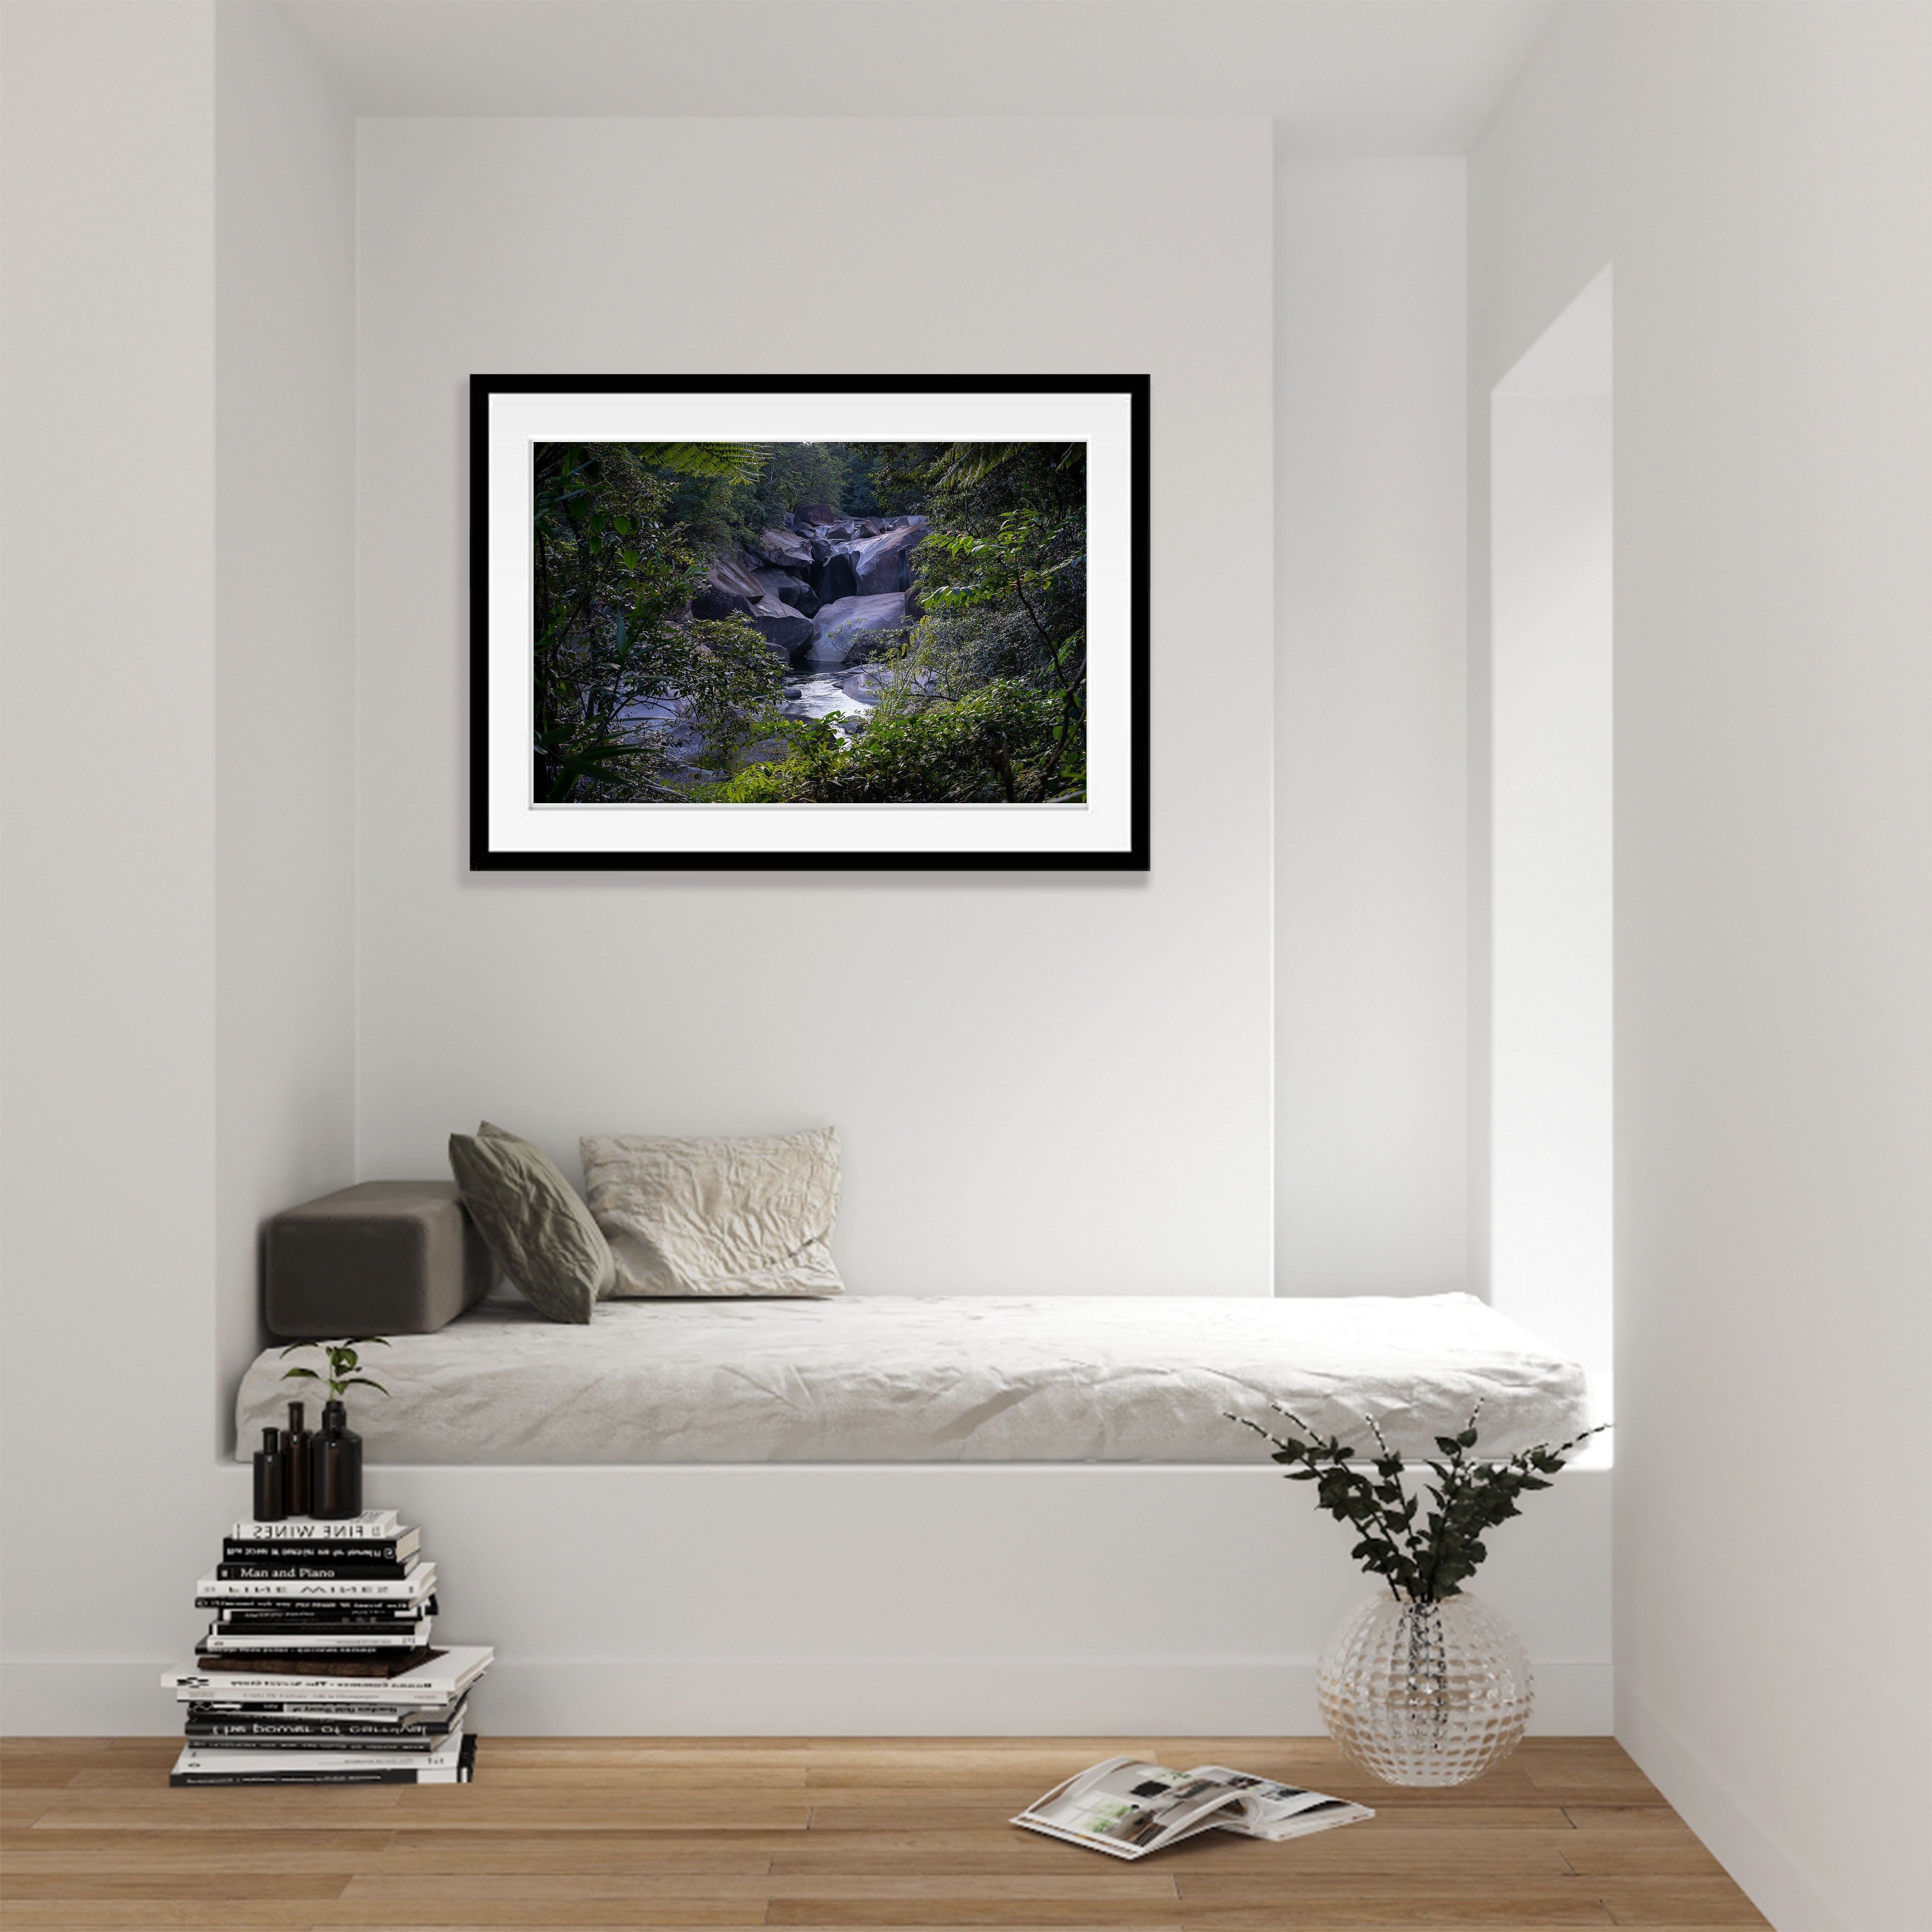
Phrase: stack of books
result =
(317, 1668)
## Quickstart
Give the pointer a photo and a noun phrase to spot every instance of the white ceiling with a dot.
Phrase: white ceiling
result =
(1340, 76)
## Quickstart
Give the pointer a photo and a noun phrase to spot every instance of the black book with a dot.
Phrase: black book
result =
(296, 1628)
(322, 1549)
(326, 1610)
(230, 1730)
(293, 1663)
(318, 1738)
(373, 1716)
(324, 1571)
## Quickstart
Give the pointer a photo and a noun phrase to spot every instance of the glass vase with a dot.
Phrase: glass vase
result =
(1425, 1693)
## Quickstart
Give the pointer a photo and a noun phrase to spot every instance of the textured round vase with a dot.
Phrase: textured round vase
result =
(1425, 1693)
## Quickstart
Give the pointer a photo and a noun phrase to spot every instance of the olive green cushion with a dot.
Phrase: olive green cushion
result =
(537, 1226)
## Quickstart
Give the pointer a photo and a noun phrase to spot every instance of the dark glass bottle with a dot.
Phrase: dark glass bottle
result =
(296, 1439)
(270, 1505)
(335, 1465)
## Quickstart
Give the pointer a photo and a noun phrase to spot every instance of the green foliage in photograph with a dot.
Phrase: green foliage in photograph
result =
(998, 745)
(727, 462)
(1426, 1562)
(614, 576)
(988, 702)
(1000, 586)
(796, 474)
(720, 507)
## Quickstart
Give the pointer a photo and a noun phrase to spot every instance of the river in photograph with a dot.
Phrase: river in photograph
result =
(822, 695)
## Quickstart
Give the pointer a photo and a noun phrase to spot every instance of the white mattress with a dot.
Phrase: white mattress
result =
(891, 1378)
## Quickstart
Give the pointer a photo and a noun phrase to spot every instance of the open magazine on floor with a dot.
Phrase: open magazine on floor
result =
(1129, 1807)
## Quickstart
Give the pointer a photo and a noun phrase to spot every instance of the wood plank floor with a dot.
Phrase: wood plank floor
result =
(878, 1833)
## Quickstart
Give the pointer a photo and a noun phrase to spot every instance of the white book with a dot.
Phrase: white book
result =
(440, 1681)
(197, 1756)
(419, 1582)
(230, 1640)
(448, 1765)
(371, 1526)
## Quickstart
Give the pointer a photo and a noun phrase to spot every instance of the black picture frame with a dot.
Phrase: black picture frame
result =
(510, 831)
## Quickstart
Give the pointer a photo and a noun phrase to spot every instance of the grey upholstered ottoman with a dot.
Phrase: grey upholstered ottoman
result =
(383, 1258)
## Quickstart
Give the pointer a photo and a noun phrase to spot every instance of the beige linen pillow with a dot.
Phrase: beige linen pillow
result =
(716, 1216)
(542, 1234)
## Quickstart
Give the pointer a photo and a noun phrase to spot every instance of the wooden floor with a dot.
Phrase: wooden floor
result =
(666, 1832)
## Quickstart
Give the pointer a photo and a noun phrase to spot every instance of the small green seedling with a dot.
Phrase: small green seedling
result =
(343, 1363)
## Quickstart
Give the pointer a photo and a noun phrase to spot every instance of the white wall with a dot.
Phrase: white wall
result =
(107, 483)
(285, 658)
(1088, 1110)
(951, 1600)
(175, 956)
(1550, 989)
(178, 380)
(1761, 179)
(1371, 1044)
(1045, 1084)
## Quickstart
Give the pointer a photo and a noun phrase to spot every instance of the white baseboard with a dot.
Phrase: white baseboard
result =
(683, 1696)
(1734, 1837)
(89, 1697)
(957, 1697)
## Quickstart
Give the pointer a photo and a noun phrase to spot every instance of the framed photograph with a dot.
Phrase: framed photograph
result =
(860, 621)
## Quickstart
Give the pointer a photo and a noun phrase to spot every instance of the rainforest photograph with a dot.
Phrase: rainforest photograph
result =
(802, 623)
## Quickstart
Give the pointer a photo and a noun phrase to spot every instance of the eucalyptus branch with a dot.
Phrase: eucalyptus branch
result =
(1256, 1427)
(1470, 1496)
(1398, 1536)
(1374, 1429)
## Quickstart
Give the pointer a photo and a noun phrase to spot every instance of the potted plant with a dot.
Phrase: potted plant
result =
(1426, 1685)
(334, 1457)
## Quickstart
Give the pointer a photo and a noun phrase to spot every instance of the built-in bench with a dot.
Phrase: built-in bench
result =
(885, 1379)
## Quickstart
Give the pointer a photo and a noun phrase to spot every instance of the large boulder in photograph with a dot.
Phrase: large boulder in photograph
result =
(735, 576)
(842, 628)
(837, 577)
(789, 589)
(783, 548)
(812, 515)
(880, 562)
(781, 627)
(868, 683)
(729, 588)
(670, 719)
